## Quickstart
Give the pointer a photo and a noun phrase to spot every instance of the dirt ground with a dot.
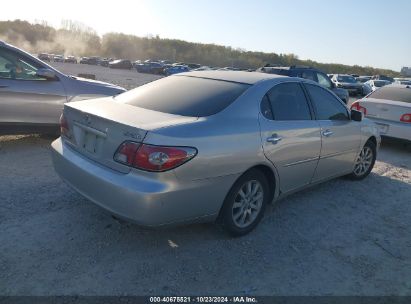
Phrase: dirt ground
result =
(337, 238)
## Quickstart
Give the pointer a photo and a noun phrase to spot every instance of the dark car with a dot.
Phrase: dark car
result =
(383, 77)
(150, 67)
(94, 60)
(349, 83)
(307, 73)
(104, 62)
(70, 59)
(193, 66)
(43, 56)
(120, 64)
(84, 60)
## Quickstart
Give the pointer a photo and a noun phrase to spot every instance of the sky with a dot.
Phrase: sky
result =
(365, 32)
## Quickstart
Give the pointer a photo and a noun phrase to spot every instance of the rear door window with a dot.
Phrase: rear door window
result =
(184, 95)
(288, 102)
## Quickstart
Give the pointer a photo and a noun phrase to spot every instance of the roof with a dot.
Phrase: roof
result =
(234, 76)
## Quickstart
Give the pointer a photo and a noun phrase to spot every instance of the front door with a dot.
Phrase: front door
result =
(341, 137)
(290, 136)
(26, 98)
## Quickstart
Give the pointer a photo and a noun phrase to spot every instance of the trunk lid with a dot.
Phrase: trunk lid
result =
(385, 109)
(98, 127)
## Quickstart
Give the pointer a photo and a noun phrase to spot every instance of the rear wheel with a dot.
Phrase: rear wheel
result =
(365, 161)
(245, 203)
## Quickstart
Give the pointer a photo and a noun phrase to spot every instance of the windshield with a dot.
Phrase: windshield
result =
(346, 78)
(184, 95)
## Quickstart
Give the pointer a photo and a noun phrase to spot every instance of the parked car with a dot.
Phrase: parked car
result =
(58, 58)
(390, 108)
(150, 67)
(32, 93)
(70, 59)
(373, 85)
(201, 146)
(84, 60)
(104, 62)
(348, 83)
(307, 73)
(43, 57)
(363, 79)
(403, 81)
(193, 66)
(120, 64)
(175, 69)
(383, 77)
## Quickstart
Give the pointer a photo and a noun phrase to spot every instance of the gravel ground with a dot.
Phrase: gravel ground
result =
(337, 238)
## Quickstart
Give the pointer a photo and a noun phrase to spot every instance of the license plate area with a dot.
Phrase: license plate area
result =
(88, 139)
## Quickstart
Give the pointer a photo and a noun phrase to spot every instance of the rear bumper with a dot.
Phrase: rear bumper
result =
(393, 129)
(141, 198)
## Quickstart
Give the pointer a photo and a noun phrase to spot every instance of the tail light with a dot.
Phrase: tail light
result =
(64, 127)
(406, 118)
(357, 106)
(153, 158)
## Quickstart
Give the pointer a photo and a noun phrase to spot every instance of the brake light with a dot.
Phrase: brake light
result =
(126, 153)
(357, 106)
(406, 118)
(64, 127)
(153, 158)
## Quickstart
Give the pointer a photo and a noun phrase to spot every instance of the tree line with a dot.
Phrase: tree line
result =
(74, 38)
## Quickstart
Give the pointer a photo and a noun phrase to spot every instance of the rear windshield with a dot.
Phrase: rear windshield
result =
(392, 93)
(184, 95)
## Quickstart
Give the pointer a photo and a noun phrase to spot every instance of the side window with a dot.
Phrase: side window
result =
(326, 105)
(266, 108)
(15, 66)
(324, 81)
(307, 75)
(288, 102)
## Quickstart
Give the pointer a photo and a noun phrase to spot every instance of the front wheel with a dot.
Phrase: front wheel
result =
(245, 203)
(365, 161)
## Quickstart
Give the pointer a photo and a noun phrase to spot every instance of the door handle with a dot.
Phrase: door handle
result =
(274, 139)
(3, 86)
(327, 133)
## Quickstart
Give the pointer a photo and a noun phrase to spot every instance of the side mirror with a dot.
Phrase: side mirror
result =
(46, 73)
(356, 115)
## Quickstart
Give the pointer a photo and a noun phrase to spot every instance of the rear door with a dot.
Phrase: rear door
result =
(26, 98)
(340, 136)
(290, 136)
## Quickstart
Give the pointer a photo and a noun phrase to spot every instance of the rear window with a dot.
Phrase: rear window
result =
(184, 95)
(392, 93)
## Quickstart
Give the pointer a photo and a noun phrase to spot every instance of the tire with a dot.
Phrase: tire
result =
(236, 210)
(366, 158)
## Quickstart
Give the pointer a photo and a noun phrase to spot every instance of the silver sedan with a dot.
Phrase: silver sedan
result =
(202, 146)
(32, 93)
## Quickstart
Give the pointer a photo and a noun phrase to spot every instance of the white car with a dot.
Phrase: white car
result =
(390, 108)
